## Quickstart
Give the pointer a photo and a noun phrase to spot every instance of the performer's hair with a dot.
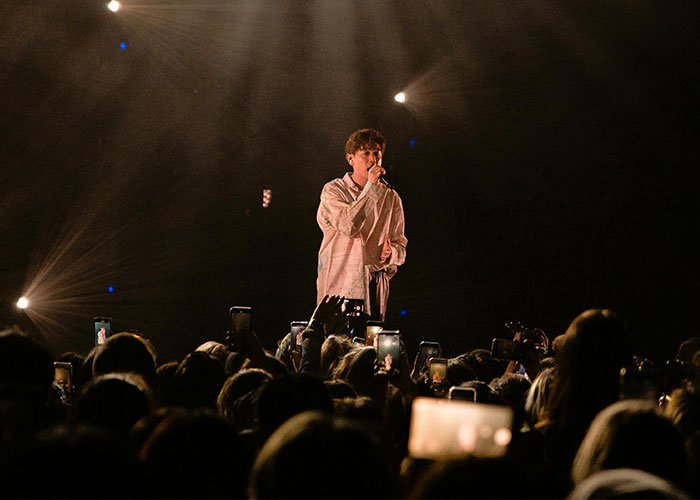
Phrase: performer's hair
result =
(364, 138)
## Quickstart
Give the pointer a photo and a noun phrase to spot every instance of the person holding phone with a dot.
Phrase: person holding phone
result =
(362, 221)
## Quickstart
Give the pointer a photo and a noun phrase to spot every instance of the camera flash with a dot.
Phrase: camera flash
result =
(23, 302)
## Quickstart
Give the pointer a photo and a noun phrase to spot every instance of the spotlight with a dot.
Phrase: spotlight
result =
(267, 198)
(400, 97)
(23, 302)
(114, 5)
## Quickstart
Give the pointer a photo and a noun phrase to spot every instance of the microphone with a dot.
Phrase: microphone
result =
(383, 180)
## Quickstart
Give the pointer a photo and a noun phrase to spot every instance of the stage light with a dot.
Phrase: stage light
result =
(114, 5)
(412, 142)
(110, 289)
(23, 302)
(400, 97)
(122, 45)
(267, 198)
(403, 312)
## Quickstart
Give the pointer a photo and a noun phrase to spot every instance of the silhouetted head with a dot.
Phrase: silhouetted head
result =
(317, 455)
(284, 397)
(587, 371)
(512, 388)
(195, 454)
(26, 375)
(472, 477)
(238, 400)
(339, 389)
(126, 352)
(683, 409)
(217, 349)
(357, 368)
(332, 351)
(631, 434)
(537, 396)
(458, 371)
(626, 484)
(73, 463)
(114, 402)
(198, 381)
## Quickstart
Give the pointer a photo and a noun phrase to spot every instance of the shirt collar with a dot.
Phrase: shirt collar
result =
(347, 179)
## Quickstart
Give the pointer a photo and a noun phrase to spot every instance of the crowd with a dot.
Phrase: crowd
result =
(328, 419)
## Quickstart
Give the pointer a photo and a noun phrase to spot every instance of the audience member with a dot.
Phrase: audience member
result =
(126, 352)
(198, 381)
(632, 434)
(339, 427)
(626, 484)
(195, 454)
(318, 455)
(238, 398)
(114, 402)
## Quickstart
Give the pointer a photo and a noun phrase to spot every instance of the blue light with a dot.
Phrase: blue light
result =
(403, 312)
(110, 289)
(122, 45)
(413, 142)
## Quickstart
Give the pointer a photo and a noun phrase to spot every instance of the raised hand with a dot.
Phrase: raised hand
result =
(328, 309)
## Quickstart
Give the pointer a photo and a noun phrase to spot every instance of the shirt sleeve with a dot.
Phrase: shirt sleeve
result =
(348, 218)
(397, 237)
(312, 340)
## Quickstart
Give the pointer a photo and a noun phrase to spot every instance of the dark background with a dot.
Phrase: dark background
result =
(552, 169)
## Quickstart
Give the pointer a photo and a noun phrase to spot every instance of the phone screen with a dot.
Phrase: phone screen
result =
(240, 322)
(372, 329)
(353, 307)
(296, 329)
(438, 370)
(427, 350)
(389, 344)
(62, 374)
(441, 428)
(103, 330)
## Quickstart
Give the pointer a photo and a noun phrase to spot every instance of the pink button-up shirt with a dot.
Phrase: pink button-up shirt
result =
(355, 223)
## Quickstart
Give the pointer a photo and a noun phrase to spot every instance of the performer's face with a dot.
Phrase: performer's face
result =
(365, 158)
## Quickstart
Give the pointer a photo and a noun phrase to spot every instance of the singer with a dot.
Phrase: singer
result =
(363, 228)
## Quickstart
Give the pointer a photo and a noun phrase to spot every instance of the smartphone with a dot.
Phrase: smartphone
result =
(353, 307)
(437, 370)
(511, 350)
(296, 328)
(240, 322)
(427, 350)
(389, 344)
(63, 375)
(103, 329)
(372, 329)
(443, 428)
(462, 393)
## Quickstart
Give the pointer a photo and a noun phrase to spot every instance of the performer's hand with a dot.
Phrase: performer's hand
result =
(375, 173)
(386, 250)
